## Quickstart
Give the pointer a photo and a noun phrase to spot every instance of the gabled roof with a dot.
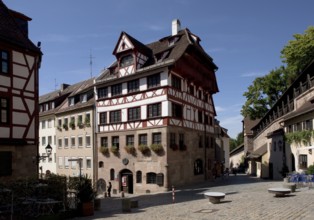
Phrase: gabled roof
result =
(183, 42)
(10, 30)
(137, 45)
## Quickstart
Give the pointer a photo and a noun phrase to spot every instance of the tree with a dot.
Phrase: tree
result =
(234, 143)
(266, 90)
(299, 52)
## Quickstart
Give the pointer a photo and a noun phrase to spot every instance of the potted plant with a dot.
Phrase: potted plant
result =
(104, 150)
(72, 124)
(86, 196)
(143, 148)
(130, 149)
(65, 126)
(80, 123)
(87, 121)
(157, 148)
(114, 149)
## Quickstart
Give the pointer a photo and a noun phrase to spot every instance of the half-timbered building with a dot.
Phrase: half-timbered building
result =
(19, 66)
(155, 113)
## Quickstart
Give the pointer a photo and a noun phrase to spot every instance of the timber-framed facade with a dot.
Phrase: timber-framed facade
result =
(155, 114)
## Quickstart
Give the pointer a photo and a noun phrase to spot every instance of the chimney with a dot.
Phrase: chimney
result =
(64, 86)
(176, 26)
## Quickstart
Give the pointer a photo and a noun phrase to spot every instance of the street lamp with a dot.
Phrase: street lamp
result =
(48, 149)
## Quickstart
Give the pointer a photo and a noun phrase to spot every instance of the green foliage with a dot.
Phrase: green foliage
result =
(310, 170)
(263, 93)
(104, 150)
(298, 53)
(156, 148)
(85, 190)
(266, 90)
(143, 148)
(114, 149)
(234, 143)
(130, 149)
(299, 137)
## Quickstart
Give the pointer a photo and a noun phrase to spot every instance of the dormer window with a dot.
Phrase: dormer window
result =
(126, 60)
(83, 98)
(71, 101)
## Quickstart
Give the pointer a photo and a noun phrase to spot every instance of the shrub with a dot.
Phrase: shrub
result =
(143, 148)
(157, 148)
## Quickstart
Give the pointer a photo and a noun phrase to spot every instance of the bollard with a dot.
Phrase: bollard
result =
(122, 194)
(173, 195)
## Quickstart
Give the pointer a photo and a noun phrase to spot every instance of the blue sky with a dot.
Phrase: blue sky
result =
(244, 37)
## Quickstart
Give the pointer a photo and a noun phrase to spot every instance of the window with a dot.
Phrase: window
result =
(200, 94)
(130, 140)
(4, 61)
(104, 141)
(83, 98)
(73, 163)
(43, 141)
(43, 124)
(200, 116)
(177, 110)
(87, 119)
(116, 89)
(308, 125)
(172, 140)
(181, 142)
(151, 178)
(66, 162)
(142, 139)
(49, 122)
(198, 167)
(103, 118)
(60, 162)
(133, 85)
(191, 89)
(72, 141)
(303, 161)
(103, 92)
(49, 139)
(160, 179)
(66, 142)
(200, 141)
(87, 140)
(134, 114)
(101, 164)
(115, 141)
(153, 80)
(80, 141)
(60, 143)
(5, 163)
(88, 162)
(111, 174)
(154, 110)
(156, 138)
(59, 123)
(115, 116)
(4, 110)
(126, 60)
(138, 176)
(176, 82)
(71, 101)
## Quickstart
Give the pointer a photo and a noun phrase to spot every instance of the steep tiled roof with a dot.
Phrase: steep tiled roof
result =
(182, 41)
(10, 30)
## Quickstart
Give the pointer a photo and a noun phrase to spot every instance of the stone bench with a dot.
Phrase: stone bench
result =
(279, 192)
(214, 197)
(291, 186)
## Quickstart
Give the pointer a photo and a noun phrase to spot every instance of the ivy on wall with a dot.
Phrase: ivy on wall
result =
(299, 137)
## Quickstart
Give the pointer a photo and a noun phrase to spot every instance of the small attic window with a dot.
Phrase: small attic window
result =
(126, 60)
(123, 46)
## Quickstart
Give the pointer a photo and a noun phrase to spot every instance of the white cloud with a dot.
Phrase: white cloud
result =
(253, 74)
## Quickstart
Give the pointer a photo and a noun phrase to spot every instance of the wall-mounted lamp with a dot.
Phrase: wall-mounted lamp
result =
(48, 149)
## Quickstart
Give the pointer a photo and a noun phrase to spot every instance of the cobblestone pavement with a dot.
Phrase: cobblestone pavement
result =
(246, 198)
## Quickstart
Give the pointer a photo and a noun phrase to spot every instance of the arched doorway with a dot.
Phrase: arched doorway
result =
(126, 181)
(292, 162)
